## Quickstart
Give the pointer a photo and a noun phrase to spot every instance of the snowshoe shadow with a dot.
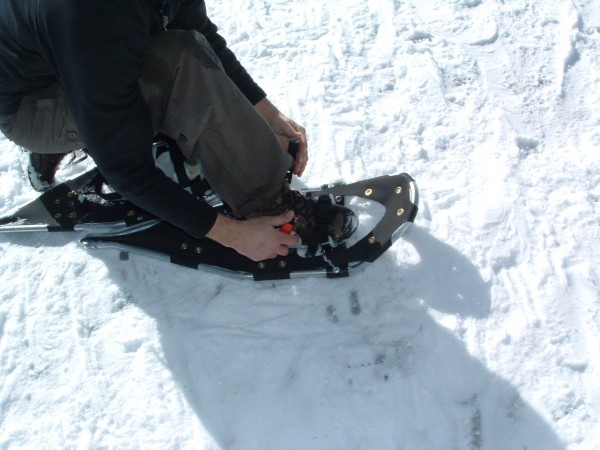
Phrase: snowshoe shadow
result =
(355, 362)
(447, 280)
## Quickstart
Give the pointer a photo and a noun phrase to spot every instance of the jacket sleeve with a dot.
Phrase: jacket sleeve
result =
(192, 16)
(95, 49)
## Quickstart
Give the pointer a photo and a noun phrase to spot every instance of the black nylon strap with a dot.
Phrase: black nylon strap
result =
(198, 185)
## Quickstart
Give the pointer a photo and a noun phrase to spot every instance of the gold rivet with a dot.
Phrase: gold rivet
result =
(399, 190)
(262, 265)
(70, 194)
(198, 250)
(400, 212)
(131, 213)
(57, 215)
(368, 192)
(372, 240)
(72, 215)
(282, 264)
(57, 201)
(184, 246)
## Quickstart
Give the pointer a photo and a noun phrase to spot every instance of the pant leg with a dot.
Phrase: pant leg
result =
(193, 101)
(44, 123)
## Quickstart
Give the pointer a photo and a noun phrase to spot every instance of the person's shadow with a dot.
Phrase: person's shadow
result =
(333, 364)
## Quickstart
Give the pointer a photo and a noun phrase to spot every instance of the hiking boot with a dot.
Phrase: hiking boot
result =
(321, 221)
(40, 168)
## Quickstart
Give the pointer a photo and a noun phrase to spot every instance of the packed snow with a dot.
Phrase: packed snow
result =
(479, 330)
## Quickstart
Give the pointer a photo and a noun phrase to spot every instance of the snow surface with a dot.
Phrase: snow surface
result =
(481, 330)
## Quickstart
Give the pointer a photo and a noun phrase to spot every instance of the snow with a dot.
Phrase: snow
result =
(480, 330)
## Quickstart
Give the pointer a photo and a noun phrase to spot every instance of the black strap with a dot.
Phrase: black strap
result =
(320, 235)
(198, 185)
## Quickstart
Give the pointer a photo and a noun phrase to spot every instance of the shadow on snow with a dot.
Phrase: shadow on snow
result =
(356, 362)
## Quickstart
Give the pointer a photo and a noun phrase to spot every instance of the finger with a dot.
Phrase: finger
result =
(283, 250)
(289, 240)
(287, 129)
(300, 166)
(293, 128)
(277, 221)
(302, 157)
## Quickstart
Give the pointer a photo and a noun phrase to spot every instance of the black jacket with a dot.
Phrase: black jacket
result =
(94, 49)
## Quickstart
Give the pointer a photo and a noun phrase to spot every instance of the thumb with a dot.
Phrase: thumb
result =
(282, 219)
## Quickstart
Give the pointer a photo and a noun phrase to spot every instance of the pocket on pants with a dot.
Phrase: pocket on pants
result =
(6, 124)
(45, 125)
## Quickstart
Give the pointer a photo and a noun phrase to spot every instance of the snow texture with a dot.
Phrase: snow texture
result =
(481, 330)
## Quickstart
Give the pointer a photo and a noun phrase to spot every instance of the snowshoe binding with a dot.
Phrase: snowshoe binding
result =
(320, 223)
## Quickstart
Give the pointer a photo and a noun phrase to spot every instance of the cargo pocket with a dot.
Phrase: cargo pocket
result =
(45, 125)
(6, 123)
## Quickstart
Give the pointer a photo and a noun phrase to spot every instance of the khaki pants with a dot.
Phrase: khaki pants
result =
(191, 100)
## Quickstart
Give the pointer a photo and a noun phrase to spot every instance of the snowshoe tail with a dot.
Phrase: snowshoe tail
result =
(76, 205)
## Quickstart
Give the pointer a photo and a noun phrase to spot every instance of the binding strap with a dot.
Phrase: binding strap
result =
(320, 235)
(197, 185)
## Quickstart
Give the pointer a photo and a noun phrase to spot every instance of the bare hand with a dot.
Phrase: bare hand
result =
(286, 129)
(257, 239)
